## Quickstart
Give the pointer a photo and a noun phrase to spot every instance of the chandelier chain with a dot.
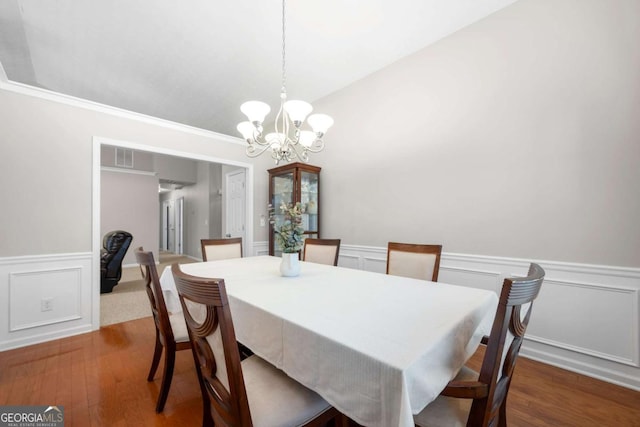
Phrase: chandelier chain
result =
(284, 69)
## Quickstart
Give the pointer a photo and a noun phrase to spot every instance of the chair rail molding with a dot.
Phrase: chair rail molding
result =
(598, 336)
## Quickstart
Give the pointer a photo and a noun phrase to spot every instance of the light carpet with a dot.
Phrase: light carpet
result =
(129, 300)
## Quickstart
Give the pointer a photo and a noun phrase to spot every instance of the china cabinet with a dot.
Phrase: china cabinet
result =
(291, 183)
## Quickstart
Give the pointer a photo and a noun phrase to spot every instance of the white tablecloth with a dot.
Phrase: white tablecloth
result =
(377, 347)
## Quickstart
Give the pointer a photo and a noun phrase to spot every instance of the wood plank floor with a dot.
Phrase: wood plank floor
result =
(100, 379)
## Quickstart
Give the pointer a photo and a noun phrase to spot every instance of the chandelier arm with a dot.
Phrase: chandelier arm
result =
(257, 137)
(299, 150)
(254, 151)
(260, 141)
(316, 147)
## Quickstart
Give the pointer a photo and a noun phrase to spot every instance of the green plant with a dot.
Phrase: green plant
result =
(288, 234)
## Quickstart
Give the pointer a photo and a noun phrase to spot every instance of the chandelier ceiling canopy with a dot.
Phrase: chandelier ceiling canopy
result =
(289, 141)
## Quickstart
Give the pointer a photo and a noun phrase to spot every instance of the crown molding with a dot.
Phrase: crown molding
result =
(3, 75)
(23, 89)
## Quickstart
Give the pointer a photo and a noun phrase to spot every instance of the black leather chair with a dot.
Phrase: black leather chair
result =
(115, 245)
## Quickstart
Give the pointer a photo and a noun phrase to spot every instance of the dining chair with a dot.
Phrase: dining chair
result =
(227, 248)
(480, 399)
(414, 260)
(321, 251)
(171, 330)
(234, 392)
(214, 249)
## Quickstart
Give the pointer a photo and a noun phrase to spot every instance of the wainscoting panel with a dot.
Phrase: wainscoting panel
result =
(376, 264)
(586, 319)
(482, 279)
(45, 297)
(260, 248)
(349, 261)
(609, 314)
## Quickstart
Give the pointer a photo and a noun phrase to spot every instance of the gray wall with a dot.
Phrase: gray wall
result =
(175, 168)
(130, 202)
(518, 136)
(202, 207)
(215, 202)
(46, 147)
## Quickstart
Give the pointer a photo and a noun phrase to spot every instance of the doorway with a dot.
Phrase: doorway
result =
(168, 226)
(178, 208)
(172, 239)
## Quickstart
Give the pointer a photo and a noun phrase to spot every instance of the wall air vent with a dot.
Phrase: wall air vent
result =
(124, 158)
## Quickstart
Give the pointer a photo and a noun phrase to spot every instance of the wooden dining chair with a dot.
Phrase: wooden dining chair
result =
(414, 260)
(171, 330)
(236, 393)
(214, 249)
(480, 400)
(321, 251)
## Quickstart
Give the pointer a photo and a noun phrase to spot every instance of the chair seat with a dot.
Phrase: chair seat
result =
(179, 327)
(448, 411)
(277, 400)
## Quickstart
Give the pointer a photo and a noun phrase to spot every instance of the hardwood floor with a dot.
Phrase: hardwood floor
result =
(543, 395)
(100, 379)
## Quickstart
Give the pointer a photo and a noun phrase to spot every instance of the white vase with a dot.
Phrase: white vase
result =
(290, 265)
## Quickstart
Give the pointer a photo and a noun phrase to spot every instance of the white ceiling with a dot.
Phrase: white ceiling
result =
(196, 61)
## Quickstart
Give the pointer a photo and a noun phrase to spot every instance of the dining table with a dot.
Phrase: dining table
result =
(379, 348)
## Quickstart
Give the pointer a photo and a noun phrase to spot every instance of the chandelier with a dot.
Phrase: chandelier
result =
(289, 142)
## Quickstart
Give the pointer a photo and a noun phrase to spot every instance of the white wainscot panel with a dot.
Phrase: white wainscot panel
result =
(363, 258)
(260, 248)
(378, 265)
(586, 319)
(349, 261)
(474, 278)
(44, 297)
(596, 320)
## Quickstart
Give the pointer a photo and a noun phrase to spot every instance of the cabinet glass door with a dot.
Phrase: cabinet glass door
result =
(289, 184)
(309, 200)
(282, 193)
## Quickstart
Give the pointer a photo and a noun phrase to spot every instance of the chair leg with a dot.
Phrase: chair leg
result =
(207, 419)
(157, 353)
(167, 376)
(502, 414)
(245, 352)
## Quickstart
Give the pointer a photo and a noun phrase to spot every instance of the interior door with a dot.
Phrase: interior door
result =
(179, 208)
(235, 204)
(168, 225)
